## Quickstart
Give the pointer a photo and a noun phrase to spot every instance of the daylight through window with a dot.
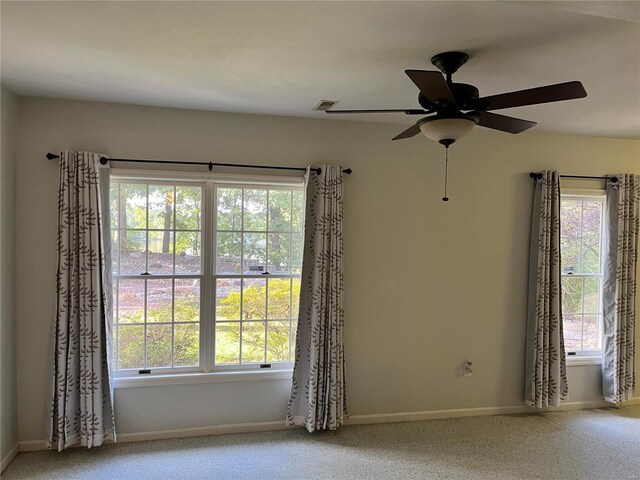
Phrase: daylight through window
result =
(581, 254)
(165, 262)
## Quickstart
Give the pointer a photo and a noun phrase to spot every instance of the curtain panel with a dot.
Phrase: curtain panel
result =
(545, 374)
(82, 408)
(318, 391)
(619, 287)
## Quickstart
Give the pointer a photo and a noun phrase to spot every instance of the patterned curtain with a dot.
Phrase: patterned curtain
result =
(82, 410)
(318, 397)
(545, 374)
(619, 287)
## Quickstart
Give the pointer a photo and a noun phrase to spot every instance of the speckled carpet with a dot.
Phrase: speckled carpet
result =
(586, 444)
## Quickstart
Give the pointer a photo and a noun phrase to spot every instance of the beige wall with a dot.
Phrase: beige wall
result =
(8, 383)
(428, 284)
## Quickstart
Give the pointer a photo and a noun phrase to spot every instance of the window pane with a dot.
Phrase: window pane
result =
(228, 299)
(590, 255)
(279, 252)
(229, 209)
(570, 255)
(572, 290)
(255, 209)
(186, 345)
(255, 252)
(132, 256)
(114, 193)
(295, 305)
(278, 341)
(572, 326)
(297, 214)
(227, 343)
(279, 298)
(160, 300)
(187, 300)
(296, 253)
(188, 246)
(115, 251)
(571, 214)
(253, 339)
(592, 295)
(591, 333)
(160, 252)
(130, 301)
(135, 211)
(591, 217)
(188, 208)
(228, 252)
(279, 210)
(161, 205)
(159, 345)
(254, 299)
(114, 300)
(130, 346)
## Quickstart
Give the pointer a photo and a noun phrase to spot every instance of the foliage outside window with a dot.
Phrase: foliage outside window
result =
(581, 220)
(257, 271)
(160, 276)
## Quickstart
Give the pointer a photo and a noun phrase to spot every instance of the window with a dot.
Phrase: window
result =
(175, 241)
(581, 254)
(257, 273)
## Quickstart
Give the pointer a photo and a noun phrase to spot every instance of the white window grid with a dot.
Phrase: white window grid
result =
(265, 275)
(599, 197)
(208, 275)
(145, 276)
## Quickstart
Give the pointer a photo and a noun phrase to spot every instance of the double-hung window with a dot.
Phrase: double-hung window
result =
(581, 233)
(206, 274)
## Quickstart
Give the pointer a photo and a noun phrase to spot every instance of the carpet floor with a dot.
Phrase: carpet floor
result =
(584, 444)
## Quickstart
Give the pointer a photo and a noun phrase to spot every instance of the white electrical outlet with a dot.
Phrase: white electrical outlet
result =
(467, 368)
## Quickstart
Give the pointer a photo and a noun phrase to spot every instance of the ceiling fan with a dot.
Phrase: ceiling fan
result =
(458, 107)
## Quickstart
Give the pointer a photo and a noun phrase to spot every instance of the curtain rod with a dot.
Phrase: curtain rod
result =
(538, 176)
(104, 160)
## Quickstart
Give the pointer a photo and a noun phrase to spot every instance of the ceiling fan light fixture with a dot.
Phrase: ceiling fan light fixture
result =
(447, 129)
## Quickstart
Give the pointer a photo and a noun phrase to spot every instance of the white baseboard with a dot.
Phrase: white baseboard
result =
(33, 445)
(9, 456)
(203, 431)
(474, 412)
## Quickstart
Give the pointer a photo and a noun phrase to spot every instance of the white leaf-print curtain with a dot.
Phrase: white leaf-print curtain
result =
(619, 287)
(82, 410)
(545, 374)
(318, 393)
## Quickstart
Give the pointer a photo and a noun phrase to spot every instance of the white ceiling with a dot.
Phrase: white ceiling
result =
(282, 58)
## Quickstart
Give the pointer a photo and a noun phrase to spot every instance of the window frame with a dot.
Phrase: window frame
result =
(586, 357)
(207, 370)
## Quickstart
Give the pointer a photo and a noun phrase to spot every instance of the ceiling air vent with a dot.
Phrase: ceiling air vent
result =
(325, 105)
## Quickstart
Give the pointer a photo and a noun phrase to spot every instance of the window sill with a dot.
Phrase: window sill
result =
(200, 377)
(582, 361)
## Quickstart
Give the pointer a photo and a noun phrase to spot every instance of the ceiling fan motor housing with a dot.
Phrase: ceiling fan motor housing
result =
(465, 95)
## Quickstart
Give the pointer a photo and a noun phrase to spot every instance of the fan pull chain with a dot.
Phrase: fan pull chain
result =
(446, 172)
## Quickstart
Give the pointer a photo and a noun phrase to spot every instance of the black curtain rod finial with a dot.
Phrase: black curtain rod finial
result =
(103, 160)
(52, 156)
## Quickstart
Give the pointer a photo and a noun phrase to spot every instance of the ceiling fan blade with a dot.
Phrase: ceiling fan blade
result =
(412, 131)
(503, 123)
(533, 96)
(432, 85)
(408, 111)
